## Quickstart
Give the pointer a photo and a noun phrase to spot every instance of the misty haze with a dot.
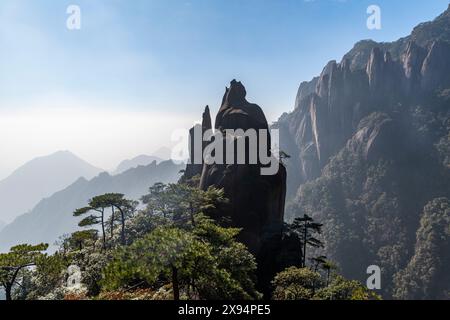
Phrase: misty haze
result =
(102, 199)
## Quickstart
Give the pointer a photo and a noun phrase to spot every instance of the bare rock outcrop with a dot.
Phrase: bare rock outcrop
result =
(256, 201)
(372, 77)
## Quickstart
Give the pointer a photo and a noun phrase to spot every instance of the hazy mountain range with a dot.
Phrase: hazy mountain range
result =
(141, 160)
(369, 141)
(40, 178)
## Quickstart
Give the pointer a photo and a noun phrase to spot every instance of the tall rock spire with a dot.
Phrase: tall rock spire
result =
(256, 202)
(197, 146)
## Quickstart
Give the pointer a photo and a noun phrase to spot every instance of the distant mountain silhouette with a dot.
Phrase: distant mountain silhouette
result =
(142, 160)
(52, 217)
(39, 178)
(2, 225)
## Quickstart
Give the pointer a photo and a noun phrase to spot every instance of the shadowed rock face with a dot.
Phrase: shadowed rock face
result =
(375, 137)
(237, 113)
(194, 169)
(256, 202)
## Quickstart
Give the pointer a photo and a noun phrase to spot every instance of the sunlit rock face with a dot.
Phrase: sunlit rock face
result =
(372, 77)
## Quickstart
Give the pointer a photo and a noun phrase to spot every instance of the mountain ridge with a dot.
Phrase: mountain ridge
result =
(24, 187)
(52, 216)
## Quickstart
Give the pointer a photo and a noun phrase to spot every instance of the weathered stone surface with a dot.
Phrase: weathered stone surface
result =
(194, 169)
(256, 202)
(237, 113)
(435, 71)
(374, 132)
(372, 77)
(306, 88)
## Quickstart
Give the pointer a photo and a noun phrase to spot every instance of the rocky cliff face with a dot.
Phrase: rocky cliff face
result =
(52, 217)
(369, 150)
(256, 202)
(194, 168)
(371, 77)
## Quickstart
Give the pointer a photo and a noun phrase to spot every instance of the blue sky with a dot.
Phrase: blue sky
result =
(172, 57)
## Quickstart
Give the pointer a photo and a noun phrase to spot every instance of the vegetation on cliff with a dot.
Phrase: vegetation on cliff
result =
(172, 250)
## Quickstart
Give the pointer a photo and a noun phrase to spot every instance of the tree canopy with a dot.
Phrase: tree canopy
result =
(17, 259)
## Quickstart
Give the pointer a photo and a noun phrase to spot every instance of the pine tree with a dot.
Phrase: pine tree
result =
(306, 228)
(17, 259)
